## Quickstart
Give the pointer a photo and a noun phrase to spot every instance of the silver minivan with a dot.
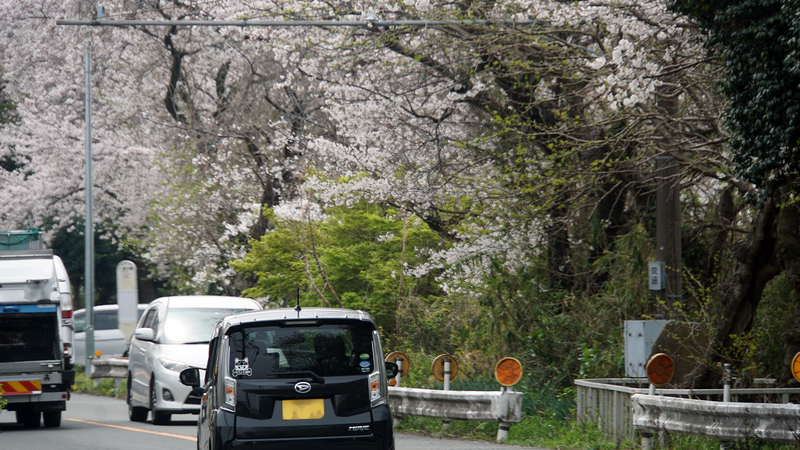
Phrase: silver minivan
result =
(172, 335)
(109, 340)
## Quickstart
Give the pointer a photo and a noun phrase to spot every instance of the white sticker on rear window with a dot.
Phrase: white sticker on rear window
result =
(241, 367)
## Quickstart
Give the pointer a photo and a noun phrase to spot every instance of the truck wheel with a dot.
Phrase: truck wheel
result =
(135, 413)
(52, 419)
(28, 418)
(159, 417)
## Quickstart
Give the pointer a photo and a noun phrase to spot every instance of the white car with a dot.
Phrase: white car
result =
(171, 336)
(108, 339)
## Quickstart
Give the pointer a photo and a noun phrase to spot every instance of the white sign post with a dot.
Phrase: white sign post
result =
(127, 298)
(655, 275)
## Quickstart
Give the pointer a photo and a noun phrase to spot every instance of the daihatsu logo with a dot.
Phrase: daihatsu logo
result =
(302, 387)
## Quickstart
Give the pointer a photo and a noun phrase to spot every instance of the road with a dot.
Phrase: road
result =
(101, 423)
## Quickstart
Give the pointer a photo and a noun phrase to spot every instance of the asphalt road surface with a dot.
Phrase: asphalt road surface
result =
(101, 423)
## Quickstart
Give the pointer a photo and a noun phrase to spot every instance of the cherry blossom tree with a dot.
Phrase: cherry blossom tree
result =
(529, 147)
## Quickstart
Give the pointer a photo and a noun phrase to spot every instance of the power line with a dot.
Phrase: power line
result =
(368, 23)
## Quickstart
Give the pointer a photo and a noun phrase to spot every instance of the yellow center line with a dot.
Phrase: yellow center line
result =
(189, 438)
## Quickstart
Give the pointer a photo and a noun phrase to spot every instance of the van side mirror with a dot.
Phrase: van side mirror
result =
(391, 369)
(190, 377)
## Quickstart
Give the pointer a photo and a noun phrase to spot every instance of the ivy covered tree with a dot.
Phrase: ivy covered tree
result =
(757, 43)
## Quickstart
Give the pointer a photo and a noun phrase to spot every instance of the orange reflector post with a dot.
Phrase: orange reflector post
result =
(508, 371)
(660, 368)
(401, 360)
(795, 367)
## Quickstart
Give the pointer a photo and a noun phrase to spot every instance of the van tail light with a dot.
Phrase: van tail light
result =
(66, 314)
(376, 396)
(230, 393)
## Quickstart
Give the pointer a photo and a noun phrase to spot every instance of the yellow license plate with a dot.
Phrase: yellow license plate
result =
(303, 409)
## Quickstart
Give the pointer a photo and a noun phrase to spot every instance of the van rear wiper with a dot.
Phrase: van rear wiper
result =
(308, 373)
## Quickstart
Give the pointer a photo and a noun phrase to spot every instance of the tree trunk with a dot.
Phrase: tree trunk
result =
(755, 264)
(788, 245)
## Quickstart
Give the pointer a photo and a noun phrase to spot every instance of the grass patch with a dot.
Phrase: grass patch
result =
(102, 386)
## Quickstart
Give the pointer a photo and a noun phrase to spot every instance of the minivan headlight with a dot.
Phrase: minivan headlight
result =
(175, 366)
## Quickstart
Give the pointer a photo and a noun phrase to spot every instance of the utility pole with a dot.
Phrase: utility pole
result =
(88, 285)
(668, 235)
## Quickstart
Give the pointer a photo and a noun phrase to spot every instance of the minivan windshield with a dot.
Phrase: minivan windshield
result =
(324, 349)
(193, 325)
(103, 320)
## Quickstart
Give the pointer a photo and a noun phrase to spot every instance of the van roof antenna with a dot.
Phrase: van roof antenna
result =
(297, 308)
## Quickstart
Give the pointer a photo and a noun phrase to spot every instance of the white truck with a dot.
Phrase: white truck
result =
(36, 369)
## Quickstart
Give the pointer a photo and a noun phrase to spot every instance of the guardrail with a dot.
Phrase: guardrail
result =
(607, 402)
(109, 368)
(767, 421)
(503, 406)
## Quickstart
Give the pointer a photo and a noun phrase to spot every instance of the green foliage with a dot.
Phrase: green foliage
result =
(105, 386)
(8, 110)
(776, 314)
(360, 253)
(561, 335)
(759, 42)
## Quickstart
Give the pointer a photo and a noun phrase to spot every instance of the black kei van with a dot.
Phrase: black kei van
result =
(310, 378)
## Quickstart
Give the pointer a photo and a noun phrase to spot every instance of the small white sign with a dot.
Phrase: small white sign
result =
(655, 275)
(127, 293)
(126, 276)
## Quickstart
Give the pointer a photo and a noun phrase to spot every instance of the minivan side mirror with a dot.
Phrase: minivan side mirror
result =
(392, 369)
(144, 334)
(190, 377)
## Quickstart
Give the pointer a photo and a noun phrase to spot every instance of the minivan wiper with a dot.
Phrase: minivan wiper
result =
(195, 342)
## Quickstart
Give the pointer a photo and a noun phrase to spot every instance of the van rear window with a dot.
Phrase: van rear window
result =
(325, 350)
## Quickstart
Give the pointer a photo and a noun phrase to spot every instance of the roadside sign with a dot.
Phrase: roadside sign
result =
(655, 275)
(508, 371)
(437, 368)
(402, 362)
(660, 368)
(795, 367)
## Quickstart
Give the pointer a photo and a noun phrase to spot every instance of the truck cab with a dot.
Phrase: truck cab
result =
(36, 373)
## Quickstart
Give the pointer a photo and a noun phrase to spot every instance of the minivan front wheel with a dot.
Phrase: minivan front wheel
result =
(135, 413)
(159, 417)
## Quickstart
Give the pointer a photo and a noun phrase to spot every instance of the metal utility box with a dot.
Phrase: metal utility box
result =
(639, 338)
